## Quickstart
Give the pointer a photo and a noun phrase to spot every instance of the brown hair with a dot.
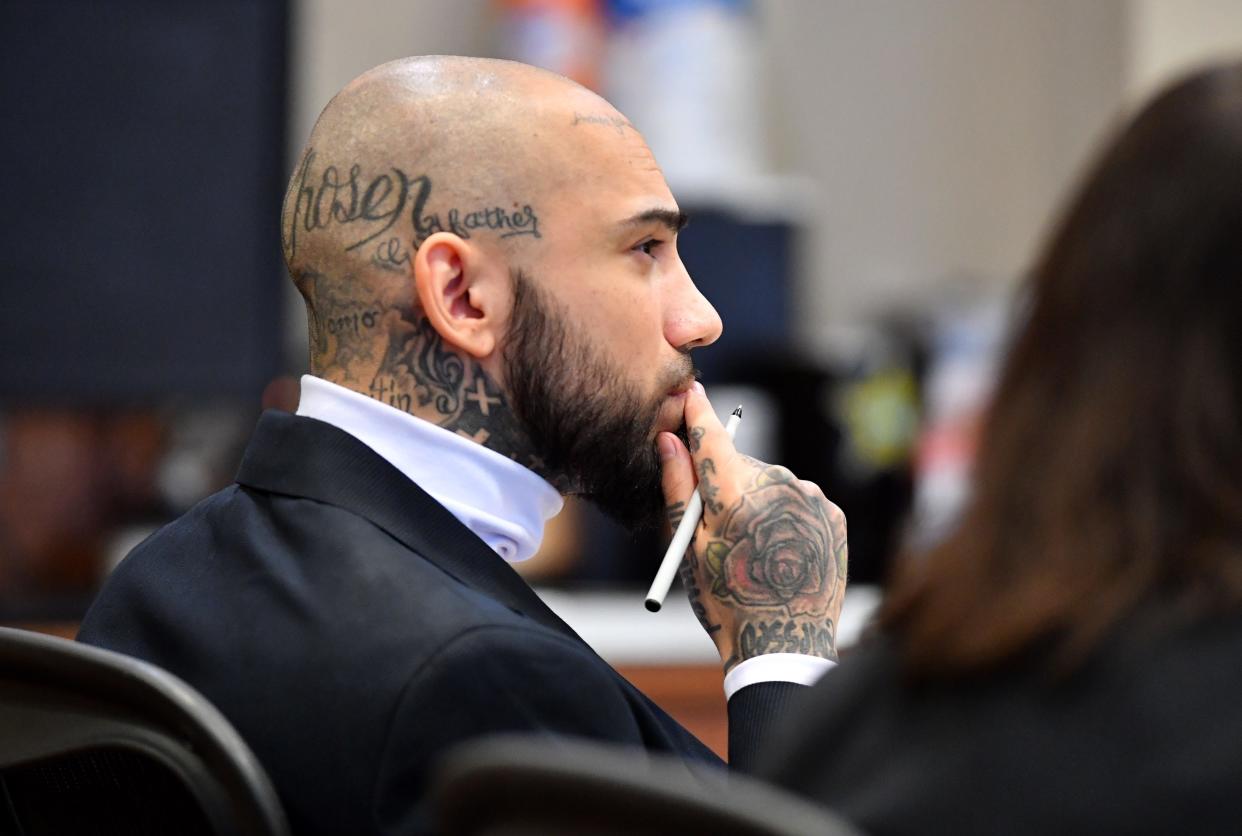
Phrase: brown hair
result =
(1110, 470)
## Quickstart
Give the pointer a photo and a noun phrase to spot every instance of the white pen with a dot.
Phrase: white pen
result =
(682, 536)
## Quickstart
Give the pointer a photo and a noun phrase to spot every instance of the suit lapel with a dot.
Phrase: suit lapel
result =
(304, 457)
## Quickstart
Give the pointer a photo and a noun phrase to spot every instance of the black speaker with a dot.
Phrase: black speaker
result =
(143, 158)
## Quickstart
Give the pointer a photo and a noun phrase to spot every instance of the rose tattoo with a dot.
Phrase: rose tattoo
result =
(777, 548)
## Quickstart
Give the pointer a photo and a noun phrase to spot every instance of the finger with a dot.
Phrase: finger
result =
(676, 475)
(708, 438)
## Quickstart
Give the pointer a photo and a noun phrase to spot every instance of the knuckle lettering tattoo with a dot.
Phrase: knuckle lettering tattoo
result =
(787, 636)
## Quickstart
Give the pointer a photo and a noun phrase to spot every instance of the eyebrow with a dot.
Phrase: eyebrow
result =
(675, 221)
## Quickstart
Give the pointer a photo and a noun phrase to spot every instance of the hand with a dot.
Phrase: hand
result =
(766, 570)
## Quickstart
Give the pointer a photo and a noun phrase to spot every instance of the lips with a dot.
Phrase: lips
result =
(682, 388)
(672, 412)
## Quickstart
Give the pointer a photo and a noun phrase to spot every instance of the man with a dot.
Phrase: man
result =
(498, 315)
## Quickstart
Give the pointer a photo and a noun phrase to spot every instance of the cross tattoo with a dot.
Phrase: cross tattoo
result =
(481, 436)
(480, 396)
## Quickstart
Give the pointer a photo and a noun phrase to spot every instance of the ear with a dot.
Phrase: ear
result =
(462, 293)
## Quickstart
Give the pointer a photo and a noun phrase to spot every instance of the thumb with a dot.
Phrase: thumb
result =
(677, 474)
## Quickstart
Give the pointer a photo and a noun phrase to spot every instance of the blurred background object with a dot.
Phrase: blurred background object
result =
(565, 36)
(846, 165)
(144, 144)
(964, 344)
(686, 73)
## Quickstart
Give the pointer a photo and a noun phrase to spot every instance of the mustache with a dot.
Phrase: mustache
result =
(680, 373)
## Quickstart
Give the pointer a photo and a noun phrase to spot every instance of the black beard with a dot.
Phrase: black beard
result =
(592, 429)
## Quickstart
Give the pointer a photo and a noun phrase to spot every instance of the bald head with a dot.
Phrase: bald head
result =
(422, 145)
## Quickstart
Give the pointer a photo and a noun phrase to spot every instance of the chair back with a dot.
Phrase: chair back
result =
(94, 743)
(515, 786)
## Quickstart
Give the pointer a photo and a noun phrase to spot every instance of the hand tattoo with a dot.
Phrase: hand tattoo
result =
(782, 555)
(709, 489)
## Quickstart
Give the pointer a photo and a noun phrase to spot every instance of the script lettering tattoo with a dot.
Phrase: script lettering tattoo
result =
(391, 255)
(607, 120)
(342, 324)
(695, 437)
(521, 220)
(347, 199)
(386, 390)
(375, 203)
(353, 323)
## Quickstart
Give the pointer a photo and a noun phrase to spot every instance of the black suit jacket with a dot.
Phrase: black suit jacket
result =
(352, 630)
(1146, 738)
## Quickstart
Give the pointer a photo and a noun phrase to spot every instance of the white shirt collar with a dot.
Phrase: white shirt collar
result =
(503, 503)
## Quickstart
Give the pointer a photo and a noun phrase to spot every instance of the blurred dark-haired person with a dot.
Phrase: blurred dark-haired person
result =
(1070, 661)
(498, 316)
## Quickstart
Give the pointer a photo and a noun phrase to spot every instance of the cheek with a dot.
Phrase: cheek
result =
(630, 326)
(620, 311)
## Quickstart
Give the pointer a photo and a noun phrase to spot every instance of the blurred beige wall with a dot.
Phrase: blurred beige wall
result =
(1170, 37)
(941, 135)
(335, 40)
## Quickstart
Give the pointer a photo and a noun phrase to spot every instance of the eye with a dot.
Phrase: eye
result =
(649, 247)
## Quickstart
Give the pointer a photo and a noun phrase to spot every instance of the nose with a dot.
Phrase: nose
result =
(690, 321)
